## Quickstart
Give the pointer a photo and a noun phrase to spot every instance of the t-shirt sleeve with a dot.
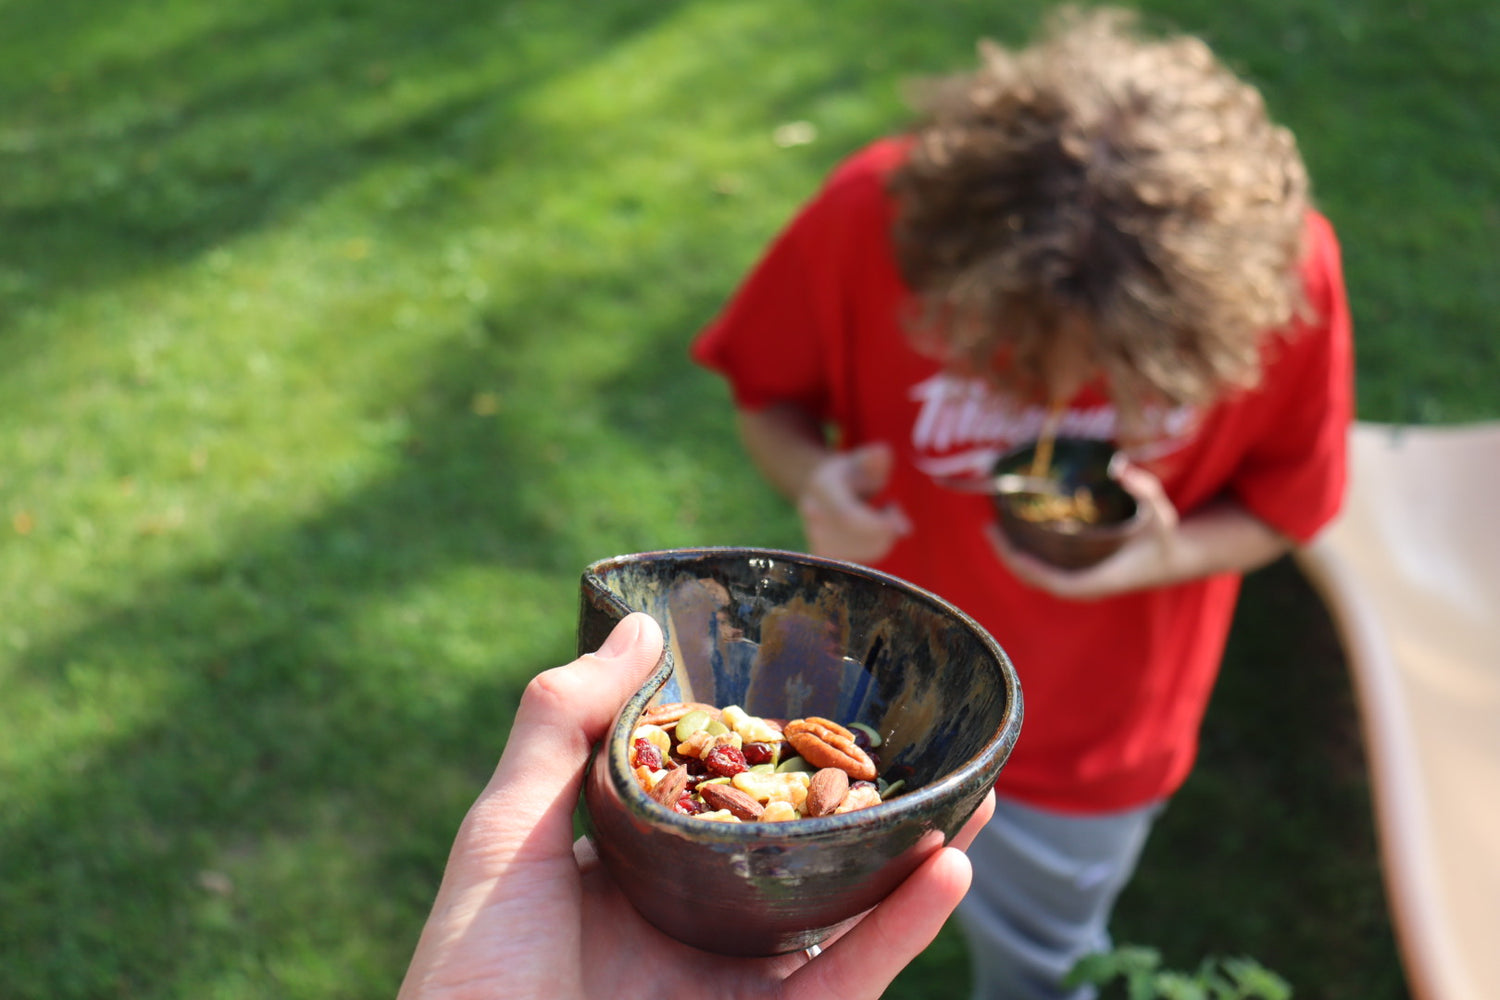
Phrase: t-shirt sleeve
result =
(783, 335)
(1294, 476)
(766, 342)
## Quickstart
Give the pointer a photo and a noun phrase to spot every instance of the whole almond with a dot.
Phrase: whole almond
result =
(724, 796)
(827, 790)
(670, 788)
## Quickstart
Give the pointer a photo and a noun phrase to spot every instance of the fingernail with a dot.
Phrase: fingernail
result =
(621, 638)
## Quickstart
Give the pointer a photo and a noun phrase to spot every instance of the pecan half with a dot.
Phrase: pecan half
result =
(671, 713)
(722, 796)
(823, 743)
(827, 790)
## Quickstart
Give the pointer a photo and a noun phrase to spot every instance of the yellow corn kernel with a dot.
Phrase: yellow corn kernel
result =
(779, 812)
(752, 729)
(719, 816)
(655, 735)
(774, 787)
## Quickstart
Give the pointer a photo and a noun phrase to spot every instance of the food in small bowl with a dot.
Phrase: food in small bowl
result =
(1081, 518)
(787, 636)
(729, 766)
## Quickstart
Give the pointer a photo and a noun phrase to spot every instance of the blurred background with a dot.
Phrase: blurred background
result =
(338, 336)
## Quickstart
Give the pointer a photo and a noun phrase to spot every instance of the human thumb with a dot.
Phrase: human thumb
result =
(872, 467)
(565, 710)
(1147, 490)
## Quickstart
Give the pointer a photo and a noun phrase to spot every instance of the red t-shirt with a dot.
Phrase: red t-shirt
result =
(1115, 690)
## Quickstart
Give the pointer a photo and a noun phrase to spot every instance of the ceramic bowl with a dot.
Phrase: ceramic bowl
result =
(786, 635)
(1076, 462)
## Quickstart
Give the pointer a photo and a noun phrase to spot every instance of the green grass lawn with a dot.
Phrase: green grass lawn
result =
(336, 338)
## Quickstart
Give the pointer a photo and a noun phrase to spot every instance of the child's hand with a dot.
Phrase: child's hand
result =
(1147, 560)
(837, 516)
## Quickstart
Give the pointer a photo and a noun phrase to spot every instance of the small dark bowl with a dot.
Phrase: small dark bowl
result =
(1076, 462)
(786, 635)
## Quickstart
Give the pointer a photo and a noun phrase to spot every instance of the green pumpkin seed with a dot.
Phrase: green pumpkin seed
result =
(691, 723)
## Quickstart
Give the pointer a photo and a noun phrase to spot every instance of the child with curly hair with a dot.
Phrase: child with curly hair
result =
(1103, 234)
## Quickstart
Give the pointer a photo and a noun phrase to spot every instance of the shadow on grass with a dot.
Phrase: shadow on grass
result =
(129, 163)
(271, 732)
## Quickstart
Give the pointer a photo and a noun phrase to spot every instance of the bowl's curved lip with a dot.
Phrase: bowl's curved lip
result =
(647, 810)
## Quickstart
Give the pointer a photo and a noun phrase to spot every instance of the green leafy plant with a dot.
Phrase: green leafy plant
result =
(1143, 978)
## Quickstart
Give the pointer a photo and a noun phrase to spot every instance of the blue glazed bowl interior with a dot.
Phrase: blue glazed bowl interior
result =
(787, 635)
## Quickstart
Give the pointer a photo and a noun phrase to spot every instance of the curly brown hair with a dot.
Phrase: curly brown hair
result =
(1130, 185)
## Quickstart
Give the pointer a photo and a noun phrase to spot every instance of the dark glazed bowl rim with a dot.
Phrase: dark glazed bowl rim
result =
(978, 771)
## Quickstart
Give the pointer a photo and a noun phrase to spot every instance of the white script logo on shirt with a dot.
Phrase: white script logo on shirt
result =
(963, 426)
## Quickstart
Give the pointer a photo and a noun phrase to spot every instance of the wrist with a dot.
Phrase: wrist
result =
(1221, 538)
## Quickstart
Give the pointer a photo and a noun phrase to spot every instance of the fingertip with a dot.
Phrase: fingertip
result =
(986, 808)
(864, 961)
(975, 822)
(633, 630)
(952, 871)
(650, 629)
(931, 893)
(587, 692)
(941, 882)
(875, 460)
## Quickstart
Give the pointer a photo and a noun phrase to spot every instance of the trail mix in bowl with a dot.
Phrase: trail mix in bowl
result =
(730, 766)
(1068, 512)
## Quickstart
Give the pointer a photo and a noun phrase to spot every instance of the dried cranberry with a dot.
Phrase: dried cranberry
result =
(759, 753)
(725, 761)
(647, 754)
(861, 739)
(687, 805)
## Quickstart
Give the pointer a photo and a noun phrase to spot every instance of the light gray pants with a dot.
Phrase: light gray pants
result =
(1044, 886)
